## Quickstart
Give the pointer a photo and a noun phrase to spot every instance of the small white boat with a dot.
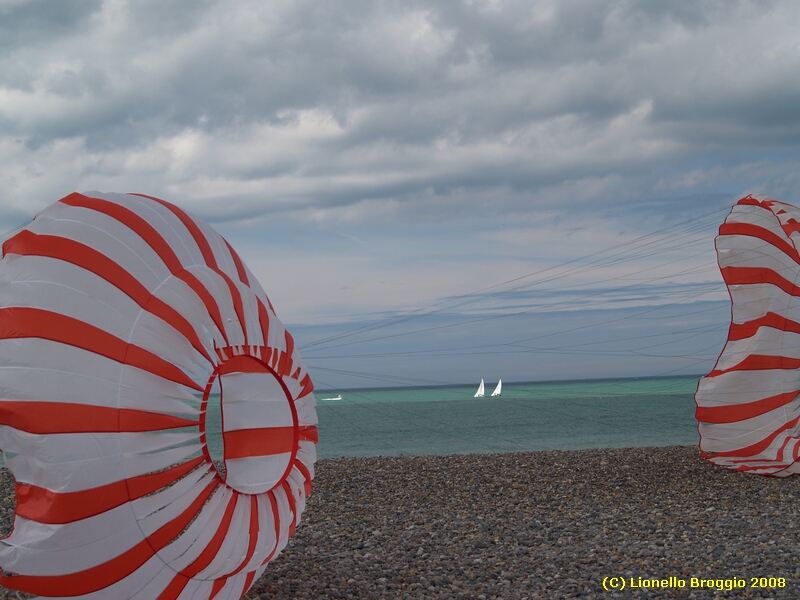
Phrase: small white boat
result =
(479, 393)
(496, 391)
(339, 397)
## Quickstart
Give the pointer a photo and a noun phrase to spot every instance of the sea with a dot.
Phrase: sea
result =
(552, 415)
(530, 416)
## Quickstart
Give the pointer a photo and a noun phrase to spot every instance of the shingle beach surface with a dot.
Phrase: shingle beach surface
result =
(535, 525)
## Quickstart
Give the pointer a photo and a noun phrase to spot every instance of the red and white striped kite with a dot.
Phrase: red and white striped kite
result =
(748, 409)
(119, 314)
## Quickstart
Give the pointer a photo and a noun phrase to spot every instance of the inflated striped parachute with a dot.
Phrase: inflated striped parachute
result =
(121, 319)
(748, 407)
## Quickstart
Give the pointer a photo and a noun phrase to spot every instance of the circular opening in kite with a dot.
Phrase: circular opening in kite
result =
(259, 428)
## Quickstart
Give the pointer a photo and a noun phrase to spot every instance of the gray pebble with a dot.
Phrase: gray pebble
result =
(531, 525)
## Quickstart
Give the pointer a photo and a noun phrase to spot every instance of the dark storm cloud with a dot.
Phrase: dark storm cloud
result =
(26, 21)
(330, 104)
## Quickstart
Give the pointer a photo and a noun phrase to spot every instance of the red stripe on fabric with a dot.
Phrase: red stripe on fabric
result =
(202, 427)
(66, 417)
(131, 220)
(292, 506)
(238, 305)
(760, 362)
(306, 476)
(192, 228)
(110, 572)
(208, 257)
(248, 581)
(749, 201)
(733, 413)
(308, 386)
(276, 517)
(217, 587)
(252, 540)
(755, 275)
(283, 364)
(747, 330)
(754, 231)
(286, 367)
(266, 441)
(243, 364)
(180, 580)
(760, 446)
(57, 508)
(309, 433)
(263, 320)
(24, 322)
(27, 243)
(240, 270)
(154, 239)
(215, 544)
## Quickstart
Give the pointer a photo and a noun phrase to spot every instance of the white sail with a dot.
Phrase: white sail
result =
(496, 391)
(479, 393)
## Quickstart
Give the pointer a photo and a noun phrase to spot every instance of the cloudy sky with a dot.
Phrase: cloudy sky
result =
(428, 191)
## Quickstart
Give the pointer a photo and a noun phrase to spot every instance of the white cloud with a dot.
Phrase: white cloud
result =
(464, 143)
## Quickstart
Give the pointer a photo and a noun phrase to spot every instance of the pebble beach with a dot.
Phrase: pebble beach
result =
(556, 524)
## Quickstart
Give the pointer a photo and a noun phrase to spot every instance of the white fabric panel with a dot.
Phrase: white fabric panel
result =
(306, 410)
(307, 454)
(253, 401)
(252, 326)
(234, 546)
(276, 335)
(254, 414)
(38, 369)
(286, 516)
(256, 474)
(184, 550)
(267, 535)
(152, 522)
(92, 380)
(195, 589)
(751, 302)
(187, 488)
(219, 249)
(756, 215)
(62, 448)
(111, 311)
(751, 252)
(75, 475)
(50, 549)
(168, 225)
(145, 443)
(177, 294)
(156, 336)
(740, 387)
(41, 370)
(145, 583)
(63, 288)
(221, 293)
(106, 235)
(766, 342)
(730, 436)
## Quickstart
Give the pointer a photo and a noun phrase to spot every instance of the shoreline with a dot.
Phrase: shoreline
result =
(549, 524)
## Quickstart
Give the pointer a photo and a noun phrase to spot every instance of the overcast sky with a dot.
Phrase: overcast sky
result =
(374, 162)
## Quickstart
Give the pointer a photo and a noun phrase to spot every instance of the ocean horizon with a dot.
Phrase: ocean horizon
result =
(528, 416)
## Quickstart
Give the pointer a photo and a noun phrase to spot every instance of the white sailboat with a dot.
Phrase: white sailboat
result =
(479, 393)
(496, 391)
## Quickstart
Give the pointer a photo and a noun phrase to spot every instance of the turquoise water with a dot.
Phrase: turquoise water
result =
(528, 416)
(607, 413)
